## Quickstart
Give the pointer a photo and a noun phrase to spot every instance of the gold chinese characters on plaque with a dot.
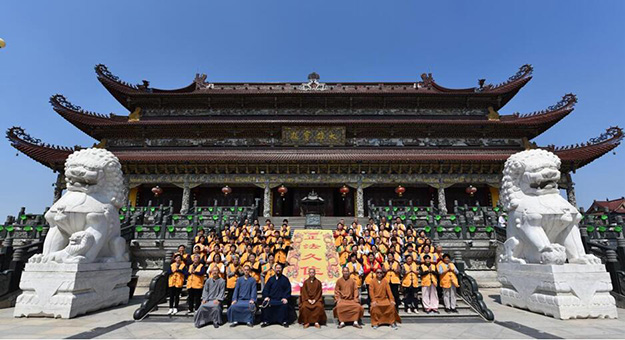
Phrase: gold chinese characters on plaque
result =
(313, 135)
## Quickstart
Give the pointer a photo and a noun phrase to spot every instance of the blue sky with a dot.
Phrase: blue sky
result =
(574, 46)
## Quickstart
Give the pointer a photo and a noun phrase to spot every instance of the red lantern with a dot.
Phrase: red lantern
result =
(226, 190)
(471, 190)
(282, 190)
(344, 190)
(400, 190)
(157, 191)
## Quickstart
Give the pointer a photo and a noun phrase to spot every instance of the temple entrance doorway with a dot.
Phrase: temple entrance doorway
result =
(335, 203)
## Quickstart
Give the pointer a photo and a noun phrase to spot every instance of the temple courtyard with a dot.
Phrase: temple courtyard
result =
(118, 323)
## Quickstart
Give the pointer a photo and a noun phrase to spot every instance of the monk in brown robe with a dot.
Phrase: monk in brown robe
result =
(311, 308)
(348, 308)
(382, 308)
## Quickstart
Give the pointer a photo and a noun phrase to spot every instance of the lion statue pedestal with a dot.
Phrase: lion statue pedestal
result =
(85, 264)
(544, 267)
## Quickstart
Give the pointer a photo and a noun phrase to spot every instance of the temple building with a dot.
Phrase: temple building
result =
(356, 144)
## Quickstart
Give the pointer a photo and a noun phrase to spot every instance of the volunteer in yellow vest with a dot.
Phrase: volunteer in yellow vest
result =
(355, 270)
(410, 271)
(267, 269)
(449, 282)
(182, 251)
(254, 267)
(393, 276)
(343, 250)
(233, 272)
(177, 272)
(217, 263)
(429, 295)
(280, 251)
(195, 283)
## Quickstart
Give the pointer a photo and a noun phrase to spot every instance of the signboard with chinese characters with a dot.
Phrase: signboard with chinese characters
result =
(313, 249)
(313, 135)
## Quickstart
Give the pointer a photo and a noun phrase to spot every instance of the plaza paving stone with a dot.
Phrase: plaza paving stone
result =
(117, 323)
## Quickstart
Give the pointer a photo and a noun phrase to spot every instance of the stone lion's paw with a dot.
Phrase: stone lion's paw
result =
(36, 258)
(586, 259)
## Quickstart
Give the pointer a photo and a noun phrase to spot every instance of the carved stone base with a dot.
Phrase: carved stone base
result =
(62, 290)
(568, 291)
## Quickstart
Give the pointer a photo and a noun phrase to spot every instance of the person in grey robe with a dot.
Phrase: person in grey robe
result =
(212, 298)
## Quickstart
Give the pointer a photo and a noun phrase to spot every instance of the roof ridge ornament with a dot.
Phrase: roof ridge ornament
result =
(313, 83)
(102, 71)
(58, 101)
(201, 83)
(426, 82)
(568, 101)
(18, 133)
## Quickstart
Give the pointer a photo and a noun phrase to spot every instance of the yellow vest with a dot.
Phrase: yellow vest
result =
(232, 281)
(448, 278)
(195, 281)
(428, 279)
(176, 278)
(391, 275)
(411, 279)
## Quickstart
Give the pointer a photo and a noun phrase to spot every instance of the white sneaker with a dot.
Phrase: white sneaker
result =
(170, 311)
(408, 311)
(175, 310)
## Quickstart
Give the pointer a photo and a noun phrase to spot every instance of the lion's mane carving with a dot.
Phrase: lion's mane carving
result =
(84, 222)
(542, 225)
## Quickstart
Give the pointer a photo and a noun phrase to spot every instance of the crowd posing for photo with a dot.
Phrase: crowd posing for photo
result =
(386, 260)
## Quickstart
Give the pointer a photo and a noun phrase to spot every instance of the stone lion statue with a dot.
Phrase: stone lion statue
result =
(84, 222)
(542, 225)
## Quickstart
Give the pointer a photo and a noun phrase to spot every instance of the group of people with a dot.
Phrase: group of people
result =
(406, 258)
(229, 268)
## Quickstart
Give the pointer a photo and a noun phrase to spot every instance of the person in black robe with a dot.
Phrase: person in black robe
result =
(276, 295)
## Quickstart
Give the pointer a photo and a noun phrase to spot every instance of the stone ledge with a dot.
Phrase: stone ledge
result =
(568, 291)
(68, 290)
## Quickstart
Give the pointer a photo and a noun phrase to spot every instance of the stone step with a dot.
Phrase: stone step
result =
(298, 222)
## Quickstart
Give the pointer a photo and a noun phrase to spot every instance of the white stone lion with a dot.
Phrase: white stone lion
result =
(84, 222)
(542, 225)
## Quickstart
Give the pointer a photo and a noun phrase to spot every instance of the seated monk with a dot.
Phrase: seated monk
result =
(311, 309)
(276, 296)
(212, 298)
(348, 308)
(243, 305)
(383, 311)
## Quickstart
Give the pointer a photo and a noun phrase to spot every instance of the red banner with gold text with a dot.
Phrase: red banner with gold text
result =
(313, 249)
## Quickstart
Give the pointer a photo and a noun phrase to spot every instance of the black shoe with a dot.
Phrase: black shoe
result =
(454, 311)
(285, 325)
(263, 325)
(216, 325)
(234, 324)
(249, 324)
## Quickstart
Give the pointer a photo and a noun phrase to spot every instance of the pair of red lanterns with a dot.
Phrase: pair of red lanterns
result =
(157, 191)
(282, 190)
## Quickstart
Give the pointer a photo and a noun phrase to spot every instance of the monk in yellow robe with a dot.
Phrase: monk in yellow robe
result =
(383, 311)
(311, 310)
(348, 307)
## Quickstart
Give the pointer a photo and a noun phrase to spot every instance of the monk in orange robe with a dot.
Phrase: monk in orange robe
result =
(311, 310)
(382, 309)
(348, 307)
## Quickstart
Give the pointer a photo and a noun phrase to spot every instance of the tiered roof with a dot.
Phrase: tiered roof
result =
(426, 92)
(529, 125)
(207, 97)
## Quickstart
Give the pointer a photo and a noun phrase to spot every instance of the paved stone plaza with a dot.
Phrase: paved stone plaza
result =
(118, 323)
